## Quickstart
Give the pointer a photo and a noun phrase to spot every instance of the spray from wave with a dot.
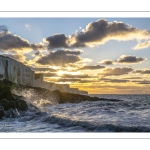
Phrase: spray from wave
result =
(37, 99)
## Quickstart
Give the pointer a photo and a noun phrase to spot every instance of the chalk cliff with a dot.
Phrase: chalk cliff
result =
(18, 73)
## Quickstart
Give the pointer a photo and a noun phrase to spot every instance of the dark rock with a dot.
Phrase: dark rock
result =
(1, 112)
(6, 93)
(12, 104)
(9, 102)
(22, 105)
(9, 113)
(75, 98)
(7, 82)
(5, 104)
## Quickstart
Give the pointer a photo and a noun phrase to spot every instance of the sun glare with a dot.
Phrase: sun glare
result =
(60, 73)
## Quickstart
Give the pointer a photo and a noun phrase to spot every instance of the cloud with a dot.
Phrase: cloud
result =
(124, 59)
(76, 76)
(91, 67)
(96, 33)
(132, 78)
(76, 80)
(115, 71)
(60, 58)
(17, 57)
(44, 69)
(143, 82)
(68, 80)
(88, 81)
(114, 80)
(101, 31)
(50, 74)
(107, 62)
(142, 71)
(57, 41)
(130, 59)
(143, 45)
(9, 41)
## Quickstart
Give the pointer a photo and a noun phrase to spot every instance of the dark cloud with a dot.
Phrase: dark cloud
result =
(98, 32)
(76, 76)
(136, 81)
(124, 59)
(57, 41)
(107, 62)
(116, 71)
(143, 82)
(44, 69)
(114, 80)
(91, 67)
(67, 76)
(102, 31)
(130, 59)
(50, 74)
(76, 80)
(37, 53)
(130, 78)
(60, 57)
(142, 71)
(9, 41)
(88, 81)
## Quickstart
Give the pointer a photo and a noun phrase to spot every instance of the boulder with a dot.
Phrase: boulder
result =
(22, 105)
(6, 93)
(5, 104)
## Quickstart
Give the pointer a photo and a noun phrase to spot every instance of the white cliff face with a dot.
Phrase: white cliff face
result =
(15, 71)
(20, 74)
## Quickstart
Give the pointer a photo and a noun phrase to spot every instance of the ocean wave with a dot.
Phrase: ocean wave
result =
(89, 127)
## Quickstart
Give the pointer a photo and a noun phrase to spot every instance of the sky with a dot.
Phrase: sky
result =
(99, 55)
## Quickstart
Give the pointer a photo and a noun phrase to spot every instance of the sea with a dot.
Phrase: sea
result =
(130, 114)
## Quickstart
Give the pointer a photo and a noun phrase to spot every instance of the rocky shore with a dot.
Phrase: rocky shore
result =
(11, 104)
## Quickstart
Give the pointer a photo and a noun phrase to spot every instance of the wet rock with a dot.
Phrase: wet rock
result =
(72, 98)
(22, 105)
(5, 104)
(10, 103)
(1, 112)
(10, 113)
(75, 98)
(7, 83)
(5, 92)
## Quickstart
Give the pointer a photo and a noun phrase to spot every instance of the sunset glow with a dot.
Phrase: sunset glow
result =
(105, 56)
